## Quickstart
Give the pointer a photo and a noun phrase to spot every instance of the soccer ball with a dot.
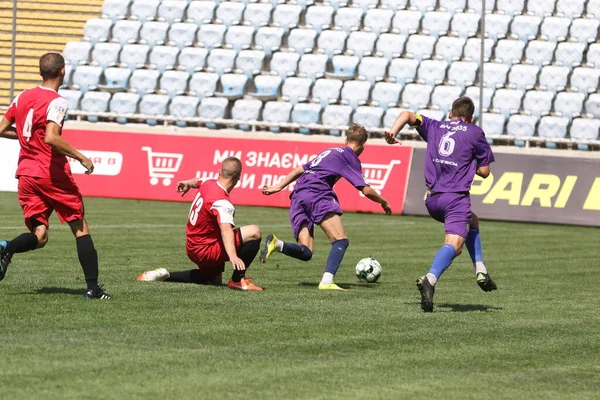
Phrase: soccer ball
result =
(368, 270)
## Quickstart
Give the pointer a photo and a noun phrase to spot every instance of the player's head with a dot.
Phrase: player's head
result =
(52, 66)
(230, 172)
(357, 138)
(464, 109)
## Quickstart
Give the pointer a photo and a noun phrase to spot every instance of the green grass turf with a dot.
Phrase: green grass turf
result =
(538, 336)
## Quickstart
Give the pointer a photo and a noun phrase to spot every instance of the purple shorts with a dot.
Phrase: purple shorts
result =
(453, 209)
(310, 210)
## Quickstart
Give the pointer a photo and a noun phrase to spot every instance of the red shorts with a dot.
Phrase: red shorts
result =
(211, 259)
(40, 196)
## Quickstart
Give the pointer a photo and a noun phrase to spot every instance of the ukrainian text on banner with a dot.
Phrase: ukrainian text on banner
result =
(537, 188)
(147, 166)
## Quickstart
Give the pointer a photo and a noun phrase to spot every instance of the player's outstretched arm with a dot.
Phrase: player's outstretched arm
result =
(405, 117)
(228, 236)
(483, 171)
(289, 178)
(376, 197)
(184, 186)
(7, 131)
(59, 144)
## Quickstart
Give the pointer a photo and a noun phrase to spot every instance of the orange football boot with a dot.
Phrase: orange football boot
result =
(243, 284)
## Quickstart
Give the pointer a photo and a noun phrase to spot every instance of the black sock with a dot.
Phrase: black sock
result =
(88, 258)
(298, 251)
(22, 243)
(247, 253)
(191, 276)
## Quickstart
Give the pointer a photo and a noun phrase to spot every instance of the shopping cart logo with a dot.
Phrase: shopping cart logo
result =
(377, 175)
(162, 166)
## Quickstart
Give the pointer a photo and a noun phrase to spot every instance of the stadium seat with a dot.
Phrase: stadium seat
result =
(173, 83)
(432, 72)
(312, 66)
(463, 73)
(302, 40)
(403, 70)
(436, 23)
(438, 115)
(326, 91)
(385, 95)
(569, 104)
(338, 116)
(163, 58)
(496, 25)
(554, 77)
(493, 124)
(523, 76)
(86, 77)
(124, 103)
(95, 102)
(394, 4)
(153, 105)
(416, 96)
(495, 74)
(511, 7)
(319, 17)
(286, 16)
(361, 44)
(143, 81)
(391, 115)
(473, 93)
(117, 77)
(115, 9)
(332, 42)
(592, 56)
(465, 24)
(68, 73)
(592, 105)
(365, 5)
(183, 107)
(355, 93)
(443, 96)
(296, 89)
(203, 84)
(233, 85)
(540, 52)
(449, 48)
(268, 39)
(250, 62)
(420, 46)
(257, 14)
(306, 114)
(76, 53)
(246, 110)
(239, 37)
(423, 5)
(584, 30)
(520, 125)
(555, 29)
(585, 128)
(570, 8)
(378, 20)
(553, 127)
(72, 97)
(97, 30)
(509, 51)
(126, 32)
(171, 11)
(211, 35)
(284, 63)
(134, 56)
(192, 59)
(570, 53)
(348, 19)
(541, 8)
(407, 22)
(372, 69)
(344, 67)
(144, 10)
(472, 50)
(221, 61)
(105, 54)
(213, 108)
(592, 8)
(276, 112)
(390, 45)
(538, 102)
(267, 87)
(369, 117)
(154, 33)
(507, 101)
(229, 13)
(454, 6)
(201, 12)
(476, 5)
(526, 27)
(585, 79)
(182, 34)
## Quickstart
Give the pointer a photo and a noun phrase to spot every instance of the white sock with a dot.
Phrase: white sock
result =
(327, 278)
(279, 245)
(480, 268)
(431, 278)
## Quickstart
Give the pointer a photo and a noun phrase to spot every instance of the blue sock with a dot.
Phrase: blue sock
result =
(442, 260)
(336, 254)
(298, 251)
(474, 245)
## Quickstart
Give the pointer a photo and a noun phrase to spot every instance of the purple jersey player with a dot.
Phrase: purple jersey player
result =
(456, 151)
(315, 202)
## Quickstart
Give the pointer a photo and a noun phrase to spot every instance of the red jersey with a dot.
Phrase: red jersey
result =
(30, 111)
(210, 208)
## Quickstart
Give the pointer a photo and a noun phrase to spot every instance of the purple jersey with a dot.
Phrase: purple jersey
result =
(455, 149)
(324, 171)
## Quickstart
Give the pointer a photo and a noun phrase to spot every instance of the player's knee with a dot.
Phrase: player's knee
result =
(42, 240)
(254, 232)
(458, 251)
(474, 221)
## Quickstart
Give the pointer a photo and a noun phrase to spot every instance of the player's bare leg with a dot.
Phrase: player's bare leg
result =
(474, 247)
(334, 229)
(88, 258)
(21, 244)
(302, 250)
(251, 238)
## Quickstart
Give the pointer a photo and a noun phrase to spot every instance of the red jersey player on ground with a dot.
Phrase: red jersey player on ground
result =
(211, 239)
(45, 180)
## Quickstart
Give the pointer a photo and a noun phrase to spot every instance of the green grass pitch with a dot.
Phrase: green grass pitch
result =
(538, 336)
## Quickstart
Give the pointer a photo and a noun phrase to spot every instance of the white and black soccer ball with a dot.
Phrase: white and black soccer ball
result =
(368, 270)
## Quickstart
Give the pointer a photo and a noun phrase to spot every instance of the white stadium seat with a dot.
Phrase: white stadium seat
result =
(306, 114)
(538, 102)
(570, 104)
(246, 110)
(336, 115)
(192, 59)
(163, 57)
(72, 97)
(463, 73)
(369, 117)
(449, 48)
(154, 33)
(593, 8)
(570, 8)
(416, 96)
(420, 46)
(554, 77)
(332, 42)
(454, 5)
(507, 101)
(465, 24)
(267, 86)
(432, 72)
(257, 14)
(326, 91)
(570, 53)
(403, 70)
(144, 10)
(126, 32)
(361, 43)
(348, 19)
(115, 9)
(523, 76)
(365, 5)
(296, 89)
(386, 94)
(184, 107)
(584, 30)
(319, 17)
(95, 102)
(134, 55)
(173, 83)
(97, 30)
(423, 5)
(171, 11)
(378, 20)
(76, 53)
(143, 81)
(201, 12)
(221, 61)
(444, 95)
(473, 49)
(526, 27)
(540, 52)
(182, 34)
(277, 111)
(495, 74)
(312, 66)
(105, 54)
(373, 69)
(394, 4)
(229, 13)
(117, 77)
(473, 93)
(269, 39)
(521, 125)
(285, 63)
(124, 103)
(592, 56)
(584, 129)
(213, 108)
(493, 124)
(286, 16)
(86, 78)
(585, 79)
(390, 45)
(204, 84)
(555, 29)
(438, 115)
(541, 8)
(250, 62)
(356, 93)
(496, 25)
(302, 40)
(239, 37)
(153, 105)
(211, 35)
(344, 67)
(436, 23)
(592, 105)
(511, 7)
(233, 85)
(407, 22)
(509, 51)
(552, 127)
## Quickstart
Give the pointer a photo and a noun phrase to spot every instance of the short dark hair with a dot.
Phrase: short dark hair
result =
(51, 65)
(231, 167)
(357, 134)
(463, 107)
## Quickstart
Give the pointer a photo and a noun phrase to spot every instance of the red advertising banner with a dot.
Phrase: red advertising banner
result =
(147, 166)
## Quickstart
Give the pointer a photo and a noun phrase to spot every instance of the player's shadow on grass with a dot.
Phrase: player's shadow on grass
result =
(342, 285)
(468, 307)
(60, 290)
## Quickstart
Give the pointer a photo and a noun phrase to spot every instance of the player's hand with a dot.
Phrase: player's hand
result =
(387, 208)
(88, 165)
(238, 264)
(390, 138)
(268, 190)
(183, 187)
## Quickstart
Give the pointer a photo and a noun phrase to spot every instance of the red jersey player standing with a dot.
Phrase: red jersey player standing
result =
(45, 180)
(211, 239)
